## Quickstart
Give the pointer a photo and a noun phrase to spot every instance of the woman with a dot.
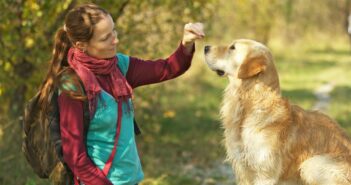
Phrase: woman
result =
(86, 48)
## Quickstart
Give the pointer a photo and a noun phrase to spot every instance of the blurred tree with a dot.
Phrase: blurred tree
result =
(27, 27)
(147, 29)
(253, 19)
(289, 20)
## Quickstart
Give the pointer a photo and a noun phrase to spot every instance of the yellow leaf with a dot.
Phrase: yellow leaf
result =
(169, 114)
(33, 5)
(39, 13)
(7, 66)
(29, 42)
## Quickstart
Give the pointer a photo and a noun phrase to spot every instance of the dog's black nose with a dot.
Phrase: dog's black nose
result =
(207, 49)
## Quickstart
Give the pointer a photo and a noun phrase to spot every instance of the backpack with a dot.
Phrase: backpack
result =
(42, 145)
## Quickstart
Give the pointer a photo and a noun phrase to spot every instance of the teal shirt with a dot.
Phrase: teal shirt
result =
(126, 167)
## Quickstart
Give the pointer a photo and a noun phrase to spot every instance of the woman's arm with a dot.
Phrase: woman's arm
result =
(143, 72)
(73, 144)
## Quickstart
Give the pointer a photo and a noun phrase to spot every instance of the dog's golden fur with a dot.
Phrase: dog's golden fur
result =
(268, 140)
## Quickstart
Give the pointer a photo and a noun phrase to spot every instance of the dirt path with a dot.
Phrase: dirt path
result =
(323, 97)
(220, 173)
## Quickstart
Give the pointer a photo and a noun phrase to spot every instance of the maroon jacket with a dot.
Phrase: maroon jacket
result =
(140, 72)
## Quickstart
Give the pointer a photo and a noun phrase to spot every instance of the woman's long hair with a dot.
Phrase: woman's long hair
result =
(79, 26)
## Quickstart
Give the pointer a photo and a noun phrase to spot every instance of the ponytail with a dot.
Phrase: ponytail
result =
(79, 23)
(57, 64)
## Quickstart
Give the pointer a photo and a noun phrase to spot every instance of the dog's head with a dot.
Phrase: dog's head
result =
(243, 59)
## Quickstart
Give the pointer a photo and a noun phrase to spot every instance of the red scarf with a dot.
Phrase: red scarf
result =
(87, 67)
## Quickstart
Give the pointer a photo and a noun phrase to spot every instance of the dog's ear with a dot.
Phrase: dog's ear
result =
(252, 66)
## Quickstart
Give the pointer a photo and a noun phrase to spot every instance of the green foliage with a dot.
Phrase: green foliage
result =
(151, 29)
(264, 20)
(179, 118)
(27, 29)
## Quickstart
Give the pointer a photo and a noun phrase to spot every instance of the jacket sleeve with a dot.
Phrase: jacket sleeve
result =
(144, 72)
(73, 144)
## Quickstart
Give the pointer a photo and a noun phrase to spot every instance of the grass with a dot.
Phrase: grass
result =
(181, 139)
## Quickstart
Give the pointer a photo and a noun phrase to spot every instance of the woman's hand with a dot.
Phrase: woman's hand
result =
(192, 32)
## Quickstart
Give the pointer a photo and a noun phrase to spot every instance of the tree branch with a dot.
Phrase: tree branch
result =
(121, 9)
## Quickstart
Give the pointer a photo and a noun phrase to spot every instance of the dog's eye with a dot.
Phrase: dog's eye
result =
(232, 47)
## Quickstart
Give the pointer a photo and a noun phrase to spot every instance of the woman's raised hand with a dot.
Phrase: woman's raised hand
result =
(192, 32)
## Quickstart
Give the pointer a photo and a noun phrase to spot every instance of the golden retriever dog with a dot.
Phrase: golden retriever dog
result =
(269, 141)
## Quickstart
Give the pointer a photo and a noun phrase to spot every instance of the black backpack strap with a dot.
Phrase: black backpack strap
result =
(86, 113)
(136, 128)
(86, 123)
(54, 125)
(86, 118)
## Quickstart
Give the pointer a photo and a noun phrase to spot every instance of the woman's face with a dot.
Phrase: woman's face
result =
(103, 43)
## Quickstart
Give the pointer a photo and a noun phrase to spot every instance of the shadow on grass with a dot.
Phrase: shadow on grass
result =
(309, 67)
(299, 96)
(330, 51)
(342, 103)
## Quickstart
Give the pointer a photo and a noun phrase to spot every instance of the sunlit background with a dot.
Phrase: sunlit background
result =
(181, 141)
